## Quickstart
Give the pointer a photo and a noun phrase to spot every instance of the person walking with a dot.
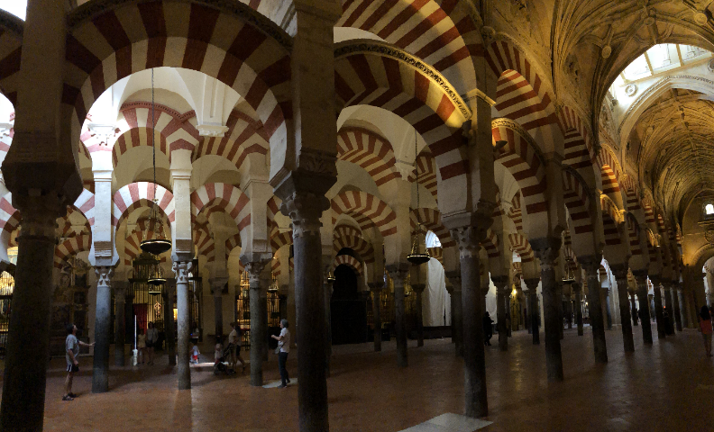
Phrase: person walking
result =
(487, 328)
(152, 337)
(283, 351)
(72, 345)
(705, 327)
(234, 345)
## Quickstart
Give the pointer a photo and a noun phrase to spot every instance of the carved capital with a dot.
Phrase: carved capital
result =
(39, 214)
(620, 272)
(591, 264)
(104, 275)
(467, 239)
(455, 279)
(181, 269)
(532, 283)
(218, 285)
(398, 272)
(255, 269)
(305, 209)
(501, 283)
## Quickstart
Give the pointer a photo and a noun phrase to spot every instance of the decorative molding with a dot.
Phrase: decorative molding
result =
(317, 162)
(408, 59)
(212, 130)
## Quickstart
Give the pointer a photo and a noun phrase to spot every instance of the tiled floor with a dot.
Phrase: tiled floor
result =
(667, 387)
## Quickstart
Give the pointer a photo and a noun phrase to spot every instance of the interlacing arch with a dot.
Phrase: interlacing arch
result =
(521, 157)
(205, 245)
(521, 246)
(370, 151)
(145, 229)
(70, 247)
(379, 75)
(11, 29)
(108, 40)
(368, 210)
(349, 261)
(442, 32)
(244, 136)
(431, 219)
(141, 194)
(222, 197)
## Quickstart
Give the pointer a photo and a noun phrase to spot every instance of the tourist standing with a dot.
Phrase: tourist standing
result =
(152, 337)
(72, 345)
(283, 351)
(234, 344)
(705, 326)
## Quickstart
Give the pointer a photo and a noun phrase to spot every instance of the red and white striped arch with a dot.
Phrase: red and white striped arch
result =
(125, 37)
(610, 172)
(364, 77)
(132, 244)
(9, 220)
(71, 247)
(578, 151)
(347, 236)
(67, 230)
(437, 253)
(349, 261)
(244, 136)
(610, 219)
(521, 246)
(222, 197)
(368, 210)
(515, 213)
(629, 186)
(490, 244)
(633, 236)
(578, 203)
(441, 32)
(279, 238)
(521, 158)
(205, 246)
(370, 151)
(141, 194)
(231, 243)
(6, 137)
(85, 204)
(431, 219)
(426, 170)
(11, 31)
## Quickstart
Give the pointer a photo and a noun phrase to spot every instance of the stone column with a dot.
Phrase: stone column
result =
(376, 290)
(398, 272)
(28, 346)
(546, 250)
(578, 307)
(467, 238)
(659, 313)
(419, 290)
(181, 269)
(102, 330)
(605, 299)
(641, 279)
(669, 321)
(532, 284)
(502, 292)
(168, 295)
(217, 291)
(676, 305)
(257, 329)
(620, 271)
(559, 304)
(591, 264)
(683, 308)
(120, 320)
(457, 313)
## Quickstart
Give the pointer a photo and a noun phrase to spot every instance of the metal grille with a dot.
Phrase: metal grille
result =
(243, 309)
(147, 307)
(7, 286)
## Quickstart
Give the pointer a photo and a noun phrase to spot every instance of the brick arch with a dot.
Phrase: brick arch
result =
(245, 136)
(108, 41)
(346, 236)
(11, 29)
(577, 201)
(70, 247)
(376, 74)
(431, 219)
(368, 210)
(222, 196)
(520, 245)
(349, 261)
(368, 150)
(442, 32)
(132, 243)
(521, 157)
(141, 194)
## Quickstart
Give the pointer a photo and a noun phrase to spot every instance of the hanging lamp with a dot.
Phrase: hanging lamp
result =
(155, 277)
(419, 254)
(331, 277)
(157, 243)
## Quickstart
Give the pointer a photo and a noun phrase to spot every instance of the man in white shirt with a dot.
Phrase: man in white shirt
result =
(284, 344)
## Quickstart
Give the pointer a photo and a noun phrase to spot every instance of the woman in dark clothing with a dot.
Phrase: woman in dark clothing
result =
(487, 328)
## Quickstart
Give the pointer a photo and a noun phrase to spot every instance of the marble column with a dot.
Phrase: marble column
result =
(476, 401)
(257, 329)
(578, 289)
(546, 250)
(676, 305)
(398, 272)
(502, 292)
(620, 272)
(376, 289)
(120, 320)
(181, 269)
(642, 297)
(102, 330)
(457, 313)
(532, 284)
(168, 294)
(591, 264)
(659, 313)
(23, 397)
(419, 290)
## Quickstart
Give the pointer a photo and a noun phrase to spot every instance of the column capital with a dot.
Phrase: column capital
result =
(217, 285)
(501, 282)
(532, 283)
(104, 275)
(591, 263)
(420, 287)
(619, 271)
(303, 205)
(255, 269)
(546, 250)
(398, 270)
(39, 213)
(181, 269)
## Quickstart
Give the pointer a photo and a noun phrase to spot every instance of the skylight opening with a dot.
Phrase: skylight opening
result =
(15, 7)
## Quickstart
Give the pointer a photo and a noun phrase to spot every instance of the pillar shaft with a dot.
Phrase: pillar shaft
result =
(328, 325)
(625, 319)
(102, 330)
(532, 284)
(645, 320)
(551, 309)
(257, 330)
(579, 309)
(419, 290)
(398, 273)
(120, 320)
(633, 309)
(377, 318)
(168, 293)
(502, 292)
(457, 320)
(597, 318)
(680, 314)
(181, 269)
(659, 313)
(669, 320)
(218, 314)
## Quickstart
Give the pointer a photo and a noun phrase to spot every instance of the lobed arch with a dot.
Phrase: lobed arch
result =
(108, 40)
(367, 210)
(245, 136)
(370, 151)
(71, 247)
(349, 261)
(135, 195)
(221, 196)
(431, 219)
